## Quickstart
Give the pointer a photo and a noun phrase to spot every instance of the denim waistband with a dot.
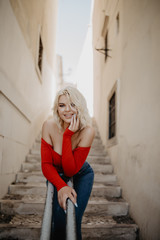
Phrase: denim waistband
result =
(83, 168)
(85, 165)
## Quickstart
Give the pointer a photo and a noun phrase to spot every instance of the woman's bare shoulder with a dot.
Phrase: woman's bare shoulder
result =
(49, 126)
(87, 136)
(88, 130)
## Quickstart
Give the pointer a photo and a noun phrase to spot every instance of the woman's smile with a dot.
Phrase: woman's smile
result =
(68, 115)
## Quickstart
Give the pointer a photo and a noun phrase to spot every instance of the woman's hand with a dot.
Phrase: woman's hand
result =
(74, 125)
(64, 193)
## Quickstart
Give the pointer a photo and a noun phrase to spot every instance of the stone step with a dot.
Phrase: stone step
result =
(102, 174)
(22, 220)
(103, 230)
(35, 151)
(13, 207)
(29, 167)
(25, 177)
(109, 232)
(36, 166)
(36, 206)
(18, 232)
(95, 145)
(97, 148)
(21, 227)
(92, 228)
(108, 227)
(104, 169)
(104, 207)
(100, 190)
(97, 137)
(28, 189)
(97, 141)
(93, 152)
(99, 159)
(27, 198)
(105, 178)
(38, 140)
(37, 145)
(33, 158)
(97, 152)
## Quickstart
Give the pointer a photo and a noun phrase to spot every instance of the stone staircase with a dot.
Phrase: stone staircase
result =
(106, 216)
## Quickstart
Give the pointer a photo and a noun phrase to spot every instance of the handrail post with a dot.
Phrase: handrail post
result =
(47, 217)
(71, 218)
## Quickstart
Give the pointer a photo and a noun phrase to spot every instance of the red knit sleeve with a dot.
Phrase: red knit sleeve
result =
(48, 169)
(72, 161)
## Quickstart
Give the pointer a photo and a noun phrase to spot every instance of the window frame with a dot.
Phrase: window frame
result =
(112, 116)
(112, 141)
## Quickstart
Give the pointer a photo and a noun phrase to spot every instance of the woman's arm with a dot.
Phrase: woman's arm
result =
(49, 171)
(73, 161)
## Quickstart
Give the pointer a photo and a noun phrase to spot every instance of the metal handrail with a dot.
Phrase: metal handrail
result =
(47, 217)
(71, 218)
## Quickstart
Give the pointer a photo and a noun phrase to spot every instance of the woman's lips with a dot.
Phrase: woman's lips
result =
(68, 115)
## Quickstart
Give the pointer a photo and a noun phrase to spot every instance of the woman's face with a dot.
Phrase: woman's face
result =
(66, 108)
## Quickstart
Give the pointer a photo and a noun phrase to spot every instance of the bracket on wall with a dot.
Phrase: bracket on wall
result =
(104, 51)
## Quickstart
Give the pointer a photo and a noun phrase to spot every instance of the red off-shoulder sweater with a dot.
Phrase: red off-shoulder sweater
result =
(70, 162)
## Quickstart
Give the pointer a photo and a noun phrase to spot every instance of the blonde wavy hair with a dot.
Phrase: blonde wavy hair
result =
(80, 104)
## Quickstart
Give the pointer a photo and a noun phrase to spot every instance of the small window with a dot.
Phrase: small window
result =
(40, 54)
(112, 116)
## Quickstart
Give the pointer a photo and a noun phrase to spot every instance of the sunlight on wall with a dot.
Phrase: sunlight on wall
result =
(84, 72)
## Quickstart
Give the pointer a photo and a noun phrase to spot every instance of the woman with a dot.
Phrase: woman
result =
(65, 144)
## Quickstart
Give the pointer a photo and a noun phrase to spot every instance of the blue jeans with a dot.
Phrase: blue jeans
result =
(83, 182)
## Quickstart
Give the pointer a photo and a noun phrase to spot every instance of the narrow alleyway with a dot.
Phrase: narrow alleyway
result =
(106, 216)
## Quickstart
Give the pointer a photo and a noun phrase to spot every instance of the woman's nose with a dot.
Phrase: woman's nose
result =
(67, 108)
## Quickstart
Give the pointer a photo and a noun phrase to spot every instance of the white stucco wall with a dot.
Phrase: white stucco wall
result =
(134, 66)
(25, 101)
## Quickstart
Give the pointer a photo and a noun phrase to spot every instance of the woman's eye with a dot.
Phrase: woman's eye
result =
(61, 105)
(72, 105)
